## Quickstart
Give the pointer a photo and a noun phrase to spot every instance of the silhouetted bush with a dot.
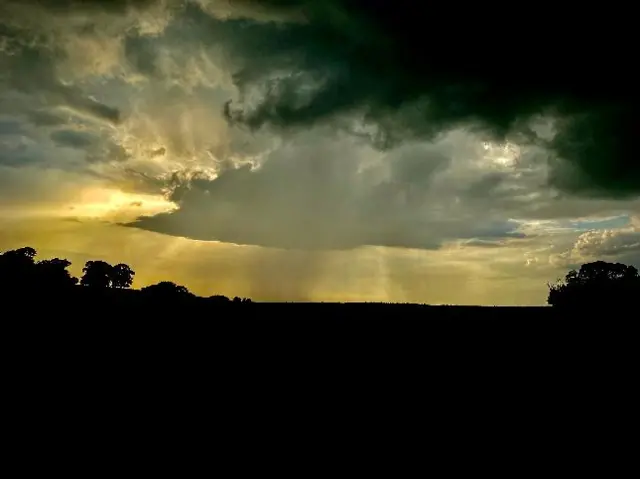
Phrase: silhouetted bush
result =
(597, 284)
(219, 299)
(241, 300)
(166, 289)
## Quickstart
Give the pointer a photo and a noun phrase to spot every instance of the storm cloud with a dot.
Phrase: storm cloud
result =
(326, 124)
(415, 71)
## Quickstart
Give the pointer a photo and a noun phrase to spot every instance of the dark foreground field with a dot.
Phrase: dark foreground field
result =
(113, 345)
(127, 317)
(136, 307)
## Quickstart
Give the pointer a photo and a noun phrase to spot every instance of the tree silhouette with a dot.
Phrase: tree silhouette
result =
(97, 274)
(122, 276)
(100, 274)
(21, 274)
(26, 253)
(16, 268)
(53, 274)
(596, 283)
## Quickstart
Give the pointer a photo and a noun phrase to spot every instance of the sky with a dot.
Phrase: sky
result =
(307, 150)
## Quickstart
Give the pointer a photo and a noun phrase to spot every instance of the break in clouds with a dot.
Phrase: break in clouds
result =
(323, 124)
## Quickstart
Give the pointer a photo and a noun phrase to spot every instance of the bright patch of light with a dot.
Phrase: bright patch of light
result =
(114, 205)
(501, 154)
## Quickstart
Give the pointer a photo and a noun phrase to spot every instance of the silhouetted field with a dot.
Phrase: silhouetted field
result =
(215, 324)
(117, 304)
(45, 289)
(126, 338)
(51, 314)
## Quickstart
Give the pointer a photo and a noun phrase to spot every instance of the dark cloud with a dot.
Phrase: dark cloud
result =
(407, 70)
(141, 53)
(74, 139)
(107, 151)
(16, 156)
(416, 71)
(98, 149)
(391, 73)
(11, 127)
(483, 243)
(493, 231)
(16, 146)
(28, 66)
(46, 118)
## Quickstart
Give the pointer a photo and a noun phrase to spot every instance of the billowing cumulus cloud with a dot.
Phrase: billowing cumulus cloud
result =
(618, 244)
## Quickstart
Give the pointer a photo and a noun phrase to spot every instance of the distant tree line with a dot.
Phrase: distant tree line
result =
(20, 270)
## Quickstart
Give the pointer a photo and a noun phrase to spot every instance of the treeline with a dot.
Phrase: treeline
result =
(19, 271)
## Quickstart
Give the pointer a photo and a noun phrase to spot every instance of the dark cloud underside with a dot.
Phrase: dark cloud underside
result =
(418, 70)
(413, 71)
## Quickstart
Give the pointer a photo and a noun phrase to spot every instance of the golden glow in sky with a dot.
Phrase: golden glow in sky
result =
(116, 206)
